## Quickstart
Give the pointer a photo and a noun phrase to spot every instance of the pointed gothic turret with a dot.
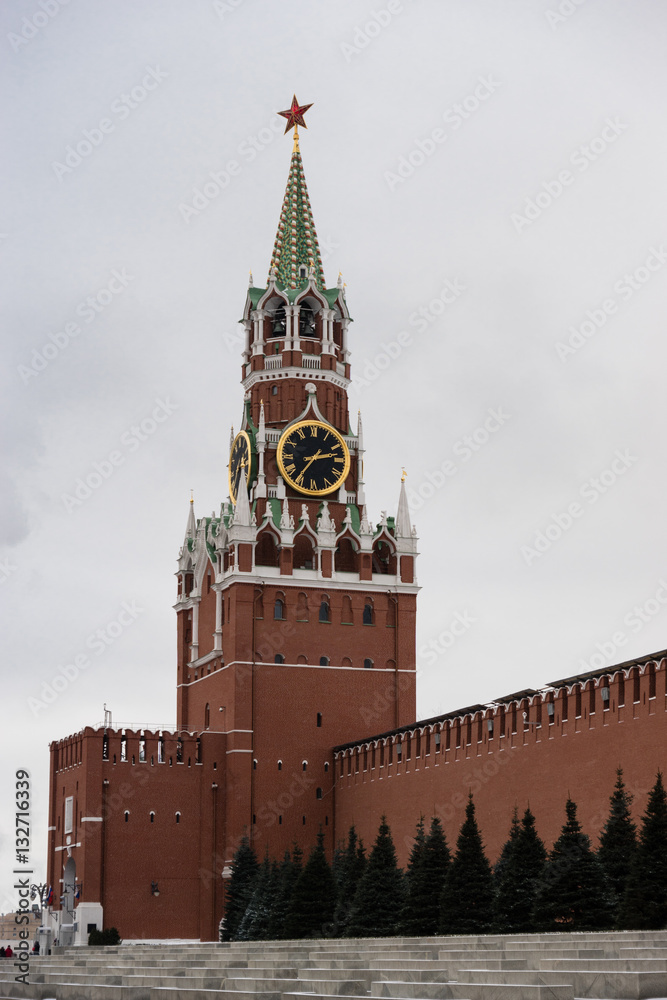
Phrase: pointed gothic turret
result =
(191, 526)
(242, 515)
(403, 524)
(296, 245)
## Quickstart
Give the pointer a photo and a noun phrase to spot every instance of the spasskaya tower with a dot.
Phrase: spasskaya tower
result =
(296, 614)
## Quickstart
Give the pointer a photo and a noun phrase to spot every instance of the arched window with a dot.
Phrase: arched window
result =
(324, 661)
(279, 609)
(302, 608)
(304, 554)
(304, 765)
(302, 659)
(318, 793)
(279, 658)
(152, 817)
(368, 613)
(207, 716)
(266, 550)
(368, 663)
(127, 815)
(347, 662)
(345, 557)
(307, 326)
(178, 817)
(280, 765)
(325, 611)
(346, 612)
(278, 325)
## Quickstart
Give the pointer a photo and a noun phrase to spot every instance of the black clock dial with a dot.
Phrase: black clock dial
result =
(313, 458)
(239, 461)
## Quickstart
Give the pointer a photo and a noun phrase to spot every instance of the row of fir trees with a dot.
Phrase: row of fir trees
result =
(621, 885)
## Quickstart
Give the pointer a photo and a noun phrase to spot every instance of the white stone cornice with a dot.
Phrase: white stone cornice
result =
(313, 375)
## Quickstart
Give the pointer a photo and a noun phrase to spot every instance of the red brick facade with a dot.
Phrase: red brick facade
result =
(296, 626)
(570, 741)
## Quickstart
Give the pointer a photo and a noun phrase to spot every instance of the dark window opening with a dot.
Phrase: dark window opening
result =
(318, 793)
(325, 611)
(319, 720)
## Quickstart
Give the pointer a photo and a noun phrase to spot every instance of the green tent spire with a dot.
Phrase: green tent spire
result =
(296, 243)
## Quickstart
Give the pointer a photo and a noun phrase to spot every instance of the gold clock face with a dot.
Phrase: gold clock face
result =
(313, 458)
(239, 461)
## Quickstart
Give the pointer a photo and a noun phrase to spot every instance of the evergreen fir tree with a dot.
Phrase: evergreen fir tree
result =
(517, 877)
(467, 897)
(573, 892)
(379, 897)
(435, 866)
(618, 841)
(256, 919)
(508, 847)
(350, 867)
(313, 901)
(245, 868)
(437, 860)
(288, 873)
(644, 905)
(412, 913)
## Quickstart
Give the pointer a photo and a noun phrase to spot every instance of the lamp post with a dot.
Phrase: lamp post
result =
(40, 889)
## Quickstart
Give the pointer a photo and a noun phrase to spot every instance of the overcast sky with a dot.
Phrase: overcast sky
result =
(489, 177)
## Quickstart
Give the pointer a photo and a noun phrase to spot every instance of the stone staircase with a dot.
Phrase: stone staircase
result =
(608, 966)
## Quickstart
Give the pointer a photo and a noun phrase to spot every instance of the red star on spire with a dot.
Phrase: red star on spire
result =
(295, 115)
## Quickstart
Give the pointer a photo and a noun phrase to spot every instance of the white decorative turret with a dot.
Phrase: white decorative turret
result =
(361, 493)
(326, 529)
(242, 516)
(405, 534)
(260, 487)
(365, 532)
